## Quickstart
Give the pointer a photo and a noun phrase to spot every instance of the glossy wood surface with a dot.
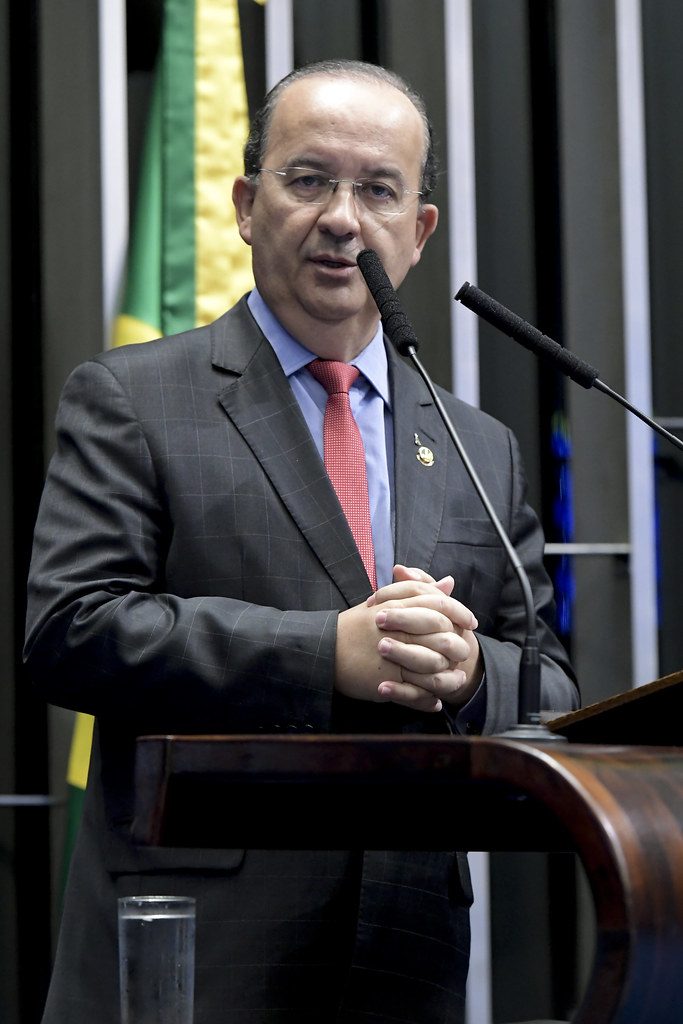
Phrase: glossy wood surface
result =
(651, 714)
(620, 808)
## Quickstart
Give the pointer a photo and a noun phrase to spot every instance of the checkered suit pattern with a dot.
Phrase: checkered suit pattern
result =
(190, 560)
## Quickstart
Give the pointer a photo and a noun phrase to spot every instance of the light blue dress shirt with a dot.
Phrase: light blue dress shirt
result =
(371, 406)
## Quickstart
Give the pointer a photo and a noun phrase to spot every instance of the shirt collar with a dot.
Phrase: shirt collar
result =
(293, 356)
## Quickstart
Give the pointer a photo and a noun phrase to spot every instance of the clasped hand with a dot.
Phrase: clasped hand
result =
(411, 643)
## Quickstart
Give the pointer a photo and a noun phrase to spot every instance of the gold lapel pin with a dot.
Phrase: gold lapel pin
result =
(424, 455)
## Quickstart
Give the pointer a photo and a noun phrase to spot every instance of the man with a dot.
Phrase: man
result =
(194, 571)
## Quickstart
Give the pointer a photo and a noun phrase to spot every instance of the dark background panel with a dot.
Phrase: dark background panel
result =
(549, 247)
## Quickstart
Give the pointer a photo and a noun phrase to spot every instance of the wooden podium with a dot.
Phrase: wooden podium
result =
(619, 807)
(650, 714)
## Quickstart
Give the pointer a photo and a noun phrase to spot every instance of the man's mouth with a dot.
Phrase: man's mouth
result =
(334, 264)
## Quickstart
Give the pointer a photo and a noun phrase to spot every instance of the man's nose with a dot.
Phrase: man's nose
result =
(340, 213)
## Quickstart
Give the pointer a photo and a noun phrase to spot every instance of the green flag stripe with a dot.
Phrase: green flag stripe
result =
(142, 298)
(178, 202)
(74, 813)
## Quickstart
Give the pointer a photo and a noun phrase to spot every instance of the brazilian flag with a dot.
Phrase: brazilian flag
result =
(186, 263)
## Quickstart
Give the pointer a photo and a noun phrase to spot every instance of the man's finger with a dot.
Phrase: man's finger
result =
(410, 696)
(405, 572)
(456, 612)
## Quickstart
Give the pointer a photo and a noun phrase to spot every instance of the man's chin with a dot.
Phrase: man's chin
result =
(337, 308)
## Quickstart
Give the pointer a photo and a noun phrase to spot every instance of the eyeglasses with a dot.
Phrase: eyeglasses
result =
(373, 195)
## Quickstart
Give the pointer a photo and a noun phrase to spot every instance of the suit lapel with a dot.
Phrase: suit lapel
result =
(261, 405)
(419, 488)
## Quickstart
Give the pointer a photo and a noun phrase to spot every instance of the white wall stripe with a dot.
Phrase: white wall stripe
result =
(279, 41)
(479, 978)
(114, 156)
(462, 229)
(637, 356)
(462, 235)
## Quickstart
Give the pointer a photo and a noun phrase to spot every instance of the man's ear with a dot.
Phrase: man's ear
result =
(427, 219)
(243, 191)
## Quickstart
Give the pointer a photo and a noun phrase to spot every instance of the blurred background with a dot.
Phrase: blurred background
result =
(560, 144)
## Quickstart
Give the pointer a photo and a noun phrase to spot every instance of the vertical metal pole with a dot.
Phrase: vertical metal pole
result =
(462, 233)
(462, 227)
(114, 157)
(279, 41)
(637, 356)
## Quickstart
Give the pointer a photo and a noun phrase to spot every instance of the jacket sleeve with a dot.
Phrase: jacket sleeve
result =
(105, 636)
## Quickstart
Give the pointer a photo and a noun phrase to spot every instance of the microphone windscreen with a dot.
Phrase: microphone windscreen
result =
(395, 321)
(511, 324)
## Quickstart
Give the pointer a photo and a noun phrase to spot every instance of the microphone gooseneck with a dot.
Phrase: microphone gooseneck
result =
(402, 336)
(541, 345)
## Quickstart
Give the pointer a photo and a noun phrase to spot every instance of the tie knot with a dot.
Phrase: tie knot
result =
(334, 376)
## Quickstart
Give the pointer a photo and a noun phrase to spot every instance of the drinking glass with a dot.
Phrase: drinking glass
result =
(156, 959)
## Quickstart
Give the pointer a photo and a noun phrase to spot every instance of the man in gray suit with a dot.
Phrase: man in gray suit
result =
(193, 571)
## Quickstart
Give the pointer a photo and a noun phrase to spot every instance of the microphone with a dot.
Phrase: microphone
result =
(402, 335)
(540, 344)
(395, 321)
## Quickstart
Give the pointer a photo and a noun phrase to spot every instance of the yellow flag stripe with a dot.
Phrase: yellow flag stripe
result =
(128, 330)
(79, 755)
(223, 264)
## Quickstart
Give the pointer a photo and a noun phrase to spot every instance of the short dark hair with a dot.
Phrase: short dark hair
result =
(258, 136)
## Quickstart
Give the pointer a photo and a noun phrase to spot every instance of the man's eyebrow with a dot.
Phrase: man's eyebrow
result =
(383, 172)
(318, 164)
(315, 163)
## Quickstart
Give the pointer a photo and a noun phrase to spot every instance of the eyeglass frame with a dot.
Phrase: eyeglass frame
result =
(333, 184)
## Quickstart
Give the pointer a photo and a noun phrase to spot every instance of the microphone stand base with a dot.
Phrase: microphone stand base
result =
(528, 732)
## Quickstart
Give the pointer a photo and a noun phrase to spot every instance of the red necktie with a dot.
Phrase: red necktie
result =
(345, 455)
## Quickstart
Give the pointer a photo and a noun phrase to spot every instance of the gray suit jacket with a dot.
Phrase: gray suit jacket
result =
(190, 560)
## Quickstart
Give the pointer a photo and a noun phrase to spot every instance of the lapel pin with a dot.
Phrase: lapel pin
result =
(425, 456)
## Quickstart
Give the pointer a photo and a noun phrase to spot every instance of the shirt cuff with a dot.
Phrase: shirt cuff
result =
(470, 718)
